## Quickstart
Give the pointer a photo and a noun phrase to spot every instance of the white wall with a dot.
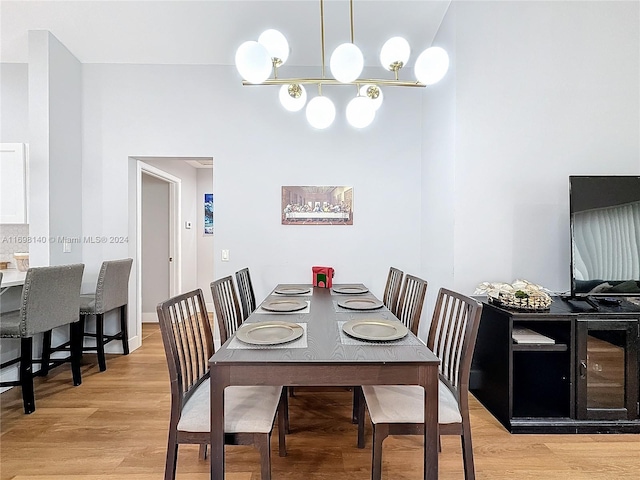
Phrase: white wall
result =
(542, 90)
(14, 103)
(179, 111)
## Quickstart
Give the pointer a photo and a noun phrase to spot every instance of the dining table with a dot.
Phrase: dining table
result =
(324, 355)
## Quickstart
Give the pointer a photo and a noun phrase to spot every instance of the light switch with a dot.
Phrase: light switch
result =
(225, 255)
(187, 225)
(66, 247)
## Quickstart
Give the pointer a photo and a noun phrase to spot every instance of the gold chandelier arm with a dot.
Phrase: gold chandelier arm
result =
(322, 35)
(332, 81)
(351, 15)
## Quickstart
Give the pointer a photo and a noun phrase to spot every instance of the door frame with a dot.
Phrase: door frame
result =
(175, 275)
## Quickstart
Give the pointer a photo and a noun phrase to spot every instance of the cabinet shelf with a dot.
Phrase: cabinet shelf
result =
(539, 347)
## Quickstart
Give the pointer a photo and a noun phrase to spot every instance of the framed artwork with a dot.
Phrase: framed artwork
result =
(208, 213)
(307, 205)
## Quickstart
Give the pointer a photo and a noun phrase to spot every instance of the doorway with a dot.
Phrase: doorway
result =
(158, 239)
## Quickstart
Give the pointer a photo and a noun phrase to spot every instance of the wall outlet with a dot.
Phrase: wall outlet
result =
(225, 255)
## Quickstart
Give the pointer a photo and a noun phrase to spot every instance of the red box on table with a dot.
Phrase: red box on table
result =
(322, 276)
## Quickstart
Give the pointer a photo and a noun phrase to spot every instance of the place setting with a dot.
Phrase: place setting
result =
(294, 290)
(283, 305)
(357, 304)
(375, 331)
(270, 334)
(349, 290)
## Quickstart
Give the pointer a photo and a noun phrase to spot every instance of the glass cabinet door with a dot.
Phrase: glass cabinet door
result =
(607, 369)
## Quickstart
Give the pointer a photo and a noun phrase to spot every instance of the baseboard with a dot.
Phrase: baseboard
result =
(149, 317)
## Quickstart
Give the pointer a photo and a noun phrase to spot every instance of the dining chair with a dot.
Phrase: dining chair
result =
(399, 410)
(249, 412)
(408, 309)
(411, 301)
(50, 299)
(245, 290)
(392, 289)
(226, 306)
(111, 294)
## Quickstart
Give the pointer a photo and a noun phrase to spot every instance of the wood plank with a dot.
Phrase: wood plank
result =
(114, 426)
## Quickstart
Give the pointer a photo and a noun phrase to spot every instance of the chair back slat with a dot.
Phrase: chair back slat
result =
(452, 338)
(227, 308)
(188, 342)
(411, 301)
(245, 291)
(392, 289)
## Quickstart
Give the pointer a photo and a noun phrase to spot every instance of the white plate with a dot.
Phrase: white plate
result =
(350, 290)
(269, 333)
(377, 329)
(360, 303)
(292, 290)
(284, 305)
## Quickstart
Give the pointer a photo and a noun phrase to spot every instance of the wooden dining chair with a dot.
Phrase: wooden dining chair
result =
(245, 290)
(411, 301)
(399, 410)
(408, 309)
(392, 289)
(249, 412)
(226, 306)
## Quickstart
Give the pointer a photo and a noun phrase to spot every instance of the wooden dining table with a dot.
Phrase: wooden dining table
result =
(324, 356)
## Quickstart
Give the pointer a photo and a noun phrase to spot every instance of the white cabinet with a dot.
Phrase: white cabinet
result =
(13, 183)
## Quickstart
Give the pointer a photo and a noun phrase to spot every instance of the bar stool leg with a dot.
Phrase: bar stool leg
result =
(46, 353)
(77, 334)
(100, 341)
(124, 331)
(26, 374)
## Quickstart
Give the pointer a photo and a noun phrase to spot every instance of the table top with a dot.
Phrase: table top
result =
(12, 277)
(324, 344)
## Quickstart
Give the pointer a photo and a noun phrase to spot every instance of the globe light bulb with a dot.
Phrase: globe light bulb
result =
(293, 97)
(346, 62)
(360, 112)
(431, 65)
(395, 53)
(276, 44)
(373, 93)
(253, 62)
(320, 112)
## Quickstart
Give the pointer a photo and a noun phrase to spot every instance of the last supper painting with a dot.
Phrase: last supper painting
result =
(317, 205)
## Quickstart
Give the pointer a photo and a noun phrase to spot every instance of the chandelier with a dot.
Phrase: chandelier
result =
(256, 61)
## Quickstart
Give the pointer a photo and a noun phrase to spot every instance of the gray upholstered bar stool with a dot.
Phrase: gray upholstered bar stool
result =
(112, 292)
(50, 299)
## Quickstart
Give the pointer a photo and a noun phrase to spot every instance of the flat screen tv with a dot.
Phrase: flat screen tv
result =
(605, 235)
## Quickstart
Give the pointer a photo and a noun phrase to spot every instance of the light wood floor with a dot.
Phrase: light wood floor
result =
(114, 427)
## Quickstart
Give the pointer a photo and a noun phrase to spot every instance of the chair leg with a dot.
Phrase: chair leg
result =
(81, 324)
(26, 374)
(202, 453)
(262, 441)
(172, 457)
(100, 341)
(76, 333)
(467, 451)
(360, 417)
(283, 421)
(46, 353)
(124, 331)
(356, 405)
(380, 432)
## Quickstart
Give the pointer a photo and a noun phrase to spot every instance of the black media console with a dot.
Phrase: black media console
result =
(572, 369)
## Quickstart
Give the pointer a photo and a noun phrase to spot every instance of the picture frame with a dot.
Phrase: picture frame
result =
(317, 205)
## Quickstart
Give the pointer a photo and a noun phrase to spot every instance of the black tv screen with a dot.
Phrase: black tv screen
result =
(605, 235)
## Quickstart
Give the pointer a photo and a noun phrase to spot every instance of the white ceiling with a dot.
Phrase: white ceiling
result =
(209, 32)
